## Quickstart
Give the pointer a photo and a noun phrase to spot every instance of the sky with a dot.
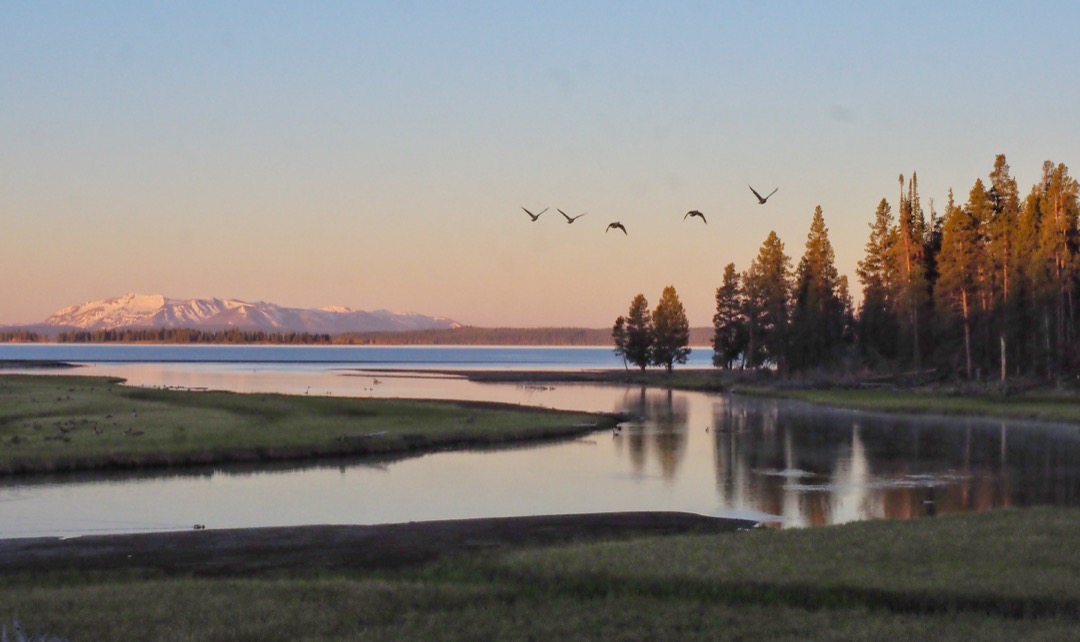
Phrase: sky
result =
(377, 155)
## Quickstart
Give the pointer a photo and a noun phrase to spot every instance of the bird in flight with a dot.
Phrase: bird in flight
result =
(617, 225)
(570, 219)
(760, 200)
(535, 216)
(695, 213)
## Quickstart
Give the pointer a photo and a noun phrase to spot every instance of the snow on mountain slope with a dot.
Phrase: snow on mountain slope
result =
(157, 311)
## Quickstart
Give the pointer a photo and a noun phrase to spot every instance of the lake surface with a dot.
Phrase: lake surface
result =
(788, 463)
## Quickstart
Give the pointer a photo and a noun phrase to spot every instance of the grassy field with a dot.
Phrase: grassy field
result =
(64, 423)
(1002, 575)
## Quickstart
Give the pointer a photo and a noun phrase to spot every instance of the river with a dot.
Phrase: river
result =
(785, 463)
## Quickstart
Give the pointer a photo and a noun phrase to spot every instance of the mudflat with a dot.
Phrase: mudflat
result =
(252, 551)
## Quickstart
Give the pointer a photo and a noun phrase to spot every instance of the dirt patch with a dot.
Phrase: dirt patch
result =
(251, 551)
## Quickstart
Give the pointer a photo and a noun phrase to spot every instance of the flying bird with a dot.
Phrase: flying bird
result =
(760, 200)
(535, 216)
(617, 225)
(695, 213)
(570, 219)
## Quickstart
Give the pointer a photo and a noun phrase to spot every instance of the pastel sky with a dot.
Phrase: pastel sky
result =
(377, 154)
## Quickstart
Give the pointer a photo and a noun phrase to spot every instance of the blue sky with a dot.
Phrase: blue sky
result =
(376, 155)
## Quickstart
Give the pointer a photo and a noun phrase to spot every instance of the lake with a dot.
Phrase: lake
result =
(787, 463)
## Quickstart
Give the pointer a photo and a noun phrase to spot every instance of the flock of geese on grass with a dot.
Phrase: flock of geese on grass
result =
(616, 225)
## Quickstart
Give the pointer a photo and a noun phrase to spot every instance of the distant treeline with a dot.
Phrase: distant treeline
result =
(452, 336)
(187, 335)
(501, 336)
(19, 336)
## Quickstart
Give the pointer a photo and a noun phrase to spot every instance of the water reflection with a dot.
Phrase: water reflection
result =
(793, 464)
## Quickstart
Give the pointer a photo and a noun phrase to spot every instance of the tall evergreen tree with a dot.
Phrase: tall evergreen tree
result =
(729, 323)
(638, 333)
(877, 328)
(768, 287)
(1001, 233)
(911, 287)
(817, 313)
(671, 331)
(981, 211)
(958, 276)
(1056, 255)
(1031, 347)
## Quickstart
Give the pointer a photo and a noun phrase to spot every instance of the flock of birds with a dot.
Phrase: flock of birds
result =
(616, 225)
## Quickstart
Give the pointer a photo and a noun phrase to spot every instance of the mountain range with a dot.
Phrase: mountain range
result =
(158, 311)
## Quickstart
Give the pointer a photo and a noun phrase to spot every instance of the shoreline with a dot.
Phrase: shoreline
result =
(284, 549)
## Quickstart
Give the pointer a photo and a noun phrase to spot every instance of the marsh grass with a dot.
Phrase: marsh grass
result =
(1043, 406)
(1011, 563)
(58, 423)
(1002, 575)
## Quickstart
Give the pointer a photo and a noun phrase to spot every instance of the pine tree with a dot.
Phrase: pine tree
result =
(1000, 241)
(1025, 286)
(980, 208)
(958, 274)
(817, 313)
(911, 288)
(637, 348)
(768, 286)
(671, 331)
(877, 329)
(729, 323)
(1057, 255)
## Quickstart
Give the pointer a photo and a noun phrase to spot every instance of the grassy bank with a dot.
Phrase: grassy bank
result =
(1039, 405)
(1045, 404)
(1002, 575)
(50, 423)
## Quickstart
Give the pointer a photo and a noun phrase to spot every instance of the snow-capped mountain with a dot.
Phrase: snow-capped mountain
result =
(157, 311)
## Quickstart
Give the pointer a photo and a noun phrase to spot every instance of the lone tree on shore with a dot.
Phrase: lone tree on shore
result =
(633, 334)
(671, 331)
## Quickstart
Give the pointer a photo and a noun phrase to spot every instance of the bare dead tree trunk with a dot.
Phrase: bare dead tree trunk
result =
(1004, 369)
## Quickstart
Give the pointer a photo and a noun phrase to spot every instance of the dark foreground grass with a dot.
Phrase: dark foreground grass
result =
(1004, 575)
(65, 423)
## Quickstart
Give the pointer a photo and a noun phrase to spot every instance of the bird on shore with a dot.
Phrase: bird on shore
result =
(695, 213)
(570, 219)
(534, 216)
(761, 200)
(617, 225)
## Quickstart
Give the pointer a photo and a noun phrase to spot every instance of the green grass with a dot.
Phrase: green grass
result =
(1003, 575)
(1008, 562)
(58, 423)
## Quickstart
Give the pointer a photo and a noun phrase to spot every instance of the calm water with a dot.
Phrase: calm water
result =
(426, 357)
(709, 454)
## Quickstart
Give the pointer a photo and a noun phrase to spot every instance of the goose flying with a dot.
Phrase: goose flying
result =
(695, 213)
(617, 225)
(570, 219)
(535, 216)
(761, 200)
